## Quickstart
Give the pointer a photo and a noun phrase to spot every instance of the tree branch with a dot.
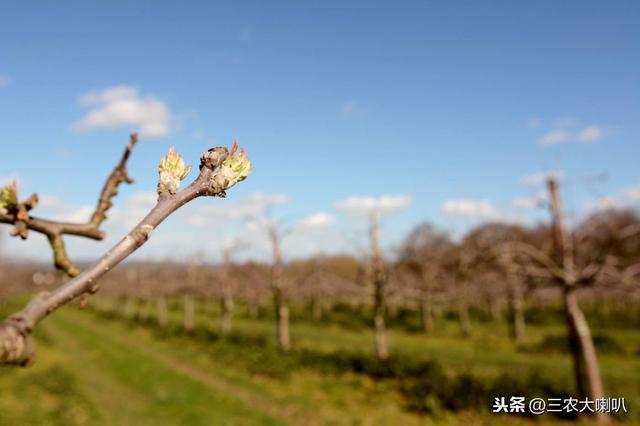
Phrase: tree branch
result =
(533, 254)
(23, 222)
(218, 172)
(110, 189)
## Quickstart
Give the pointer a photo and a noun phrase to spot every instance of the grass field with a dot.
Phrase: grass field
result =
(92, 369)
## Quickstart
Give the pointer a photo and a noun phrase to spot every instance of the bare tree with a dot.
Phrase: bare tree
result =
(219, 171)
(583, 350)
(422, 254)
(570, 273)
(483, 244)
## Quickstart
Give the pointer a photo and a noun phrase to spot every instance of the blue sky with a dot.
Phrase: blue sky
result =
(449, 104)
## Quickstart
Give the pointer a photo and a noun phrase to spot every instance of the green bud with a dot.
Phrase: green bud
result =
(172, 171)
(9, 197)
(236, 167)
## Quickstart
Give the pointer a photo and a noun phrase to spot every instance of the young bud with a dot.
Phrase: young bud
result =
(172, 170)
(235, 168)
(8, 197)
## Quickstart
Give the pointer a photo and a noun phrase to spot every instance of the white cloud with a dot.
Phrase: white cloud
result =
(123, 105)
(524, 203)
(298, 241)
(74, 214)
(317, 220)
(133, 210)
(632, 194)
(540, 177)
(481, 210)
(5, 80)
(588, 134)
(470, 209)
(624, 198)
(252, 206)
(603, 203)
(123, 216)
(111, 94)
(554, 137)
(528, 203)
(365, 205)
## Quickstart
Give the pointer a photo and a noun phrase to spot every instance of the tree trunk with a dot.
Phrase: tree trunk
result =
(163, 314)
(227, 311)
(281, 309)
(516, 310)
(583, 352)
(282, 321)
(379, 329)
(379, 281)
(283, 328)
(189, 312)
(426, 314)
(382, 351)
(463, 318)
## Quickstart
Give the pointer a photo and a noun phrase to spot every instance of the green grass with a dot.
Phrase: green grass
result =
(95, 370)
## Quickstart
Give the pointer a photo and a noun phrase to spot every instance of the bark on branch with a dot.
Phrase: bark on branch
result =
(219, 171)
